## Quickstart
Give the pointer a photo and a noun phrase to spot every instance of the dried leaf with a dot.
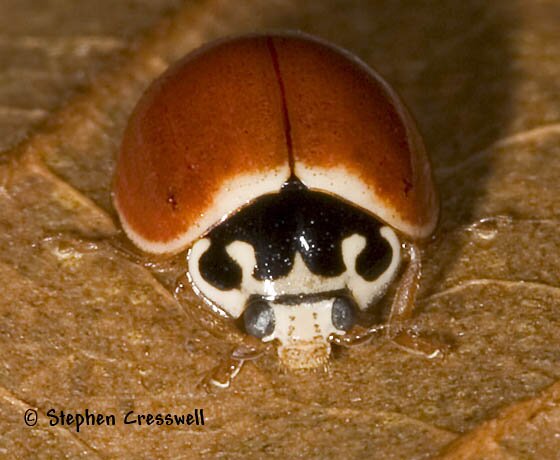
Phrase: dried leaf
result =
(88, 324)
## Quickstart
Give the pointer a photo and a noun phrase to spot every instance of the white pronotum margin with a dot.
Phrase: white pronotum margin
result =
(340, 182)
(233, 195)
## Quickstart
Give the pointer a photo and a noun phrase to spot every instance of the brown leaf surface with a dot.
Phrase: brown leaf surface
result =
(85, 326)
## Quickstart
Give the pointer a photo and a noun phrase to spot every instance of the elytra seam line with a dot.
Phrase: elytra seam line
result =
(285, 114)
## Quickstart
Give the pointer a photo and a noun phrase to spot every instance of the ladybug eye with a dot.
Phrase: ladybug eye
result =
(343, 313)
(259, 318)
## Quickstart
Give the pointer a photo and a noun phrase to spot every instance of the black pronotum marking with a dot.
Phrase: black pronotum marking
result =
(295, 219)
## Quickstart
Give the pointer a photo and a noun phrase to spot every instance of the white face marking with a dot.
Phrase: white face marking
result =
(302, 322)
(299, 281)
(366, 292)
(232, 301)
(303, 331)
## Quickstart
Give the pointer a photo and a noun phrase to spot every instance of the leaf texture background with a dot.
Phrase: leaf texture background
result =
(85, 324)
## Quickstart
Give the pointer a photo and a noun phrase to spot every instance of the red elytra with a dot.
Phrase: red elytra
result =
(236, 118)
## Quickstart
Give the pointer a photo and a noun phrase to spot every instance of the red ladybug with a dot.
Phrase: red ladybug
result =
(294, 176)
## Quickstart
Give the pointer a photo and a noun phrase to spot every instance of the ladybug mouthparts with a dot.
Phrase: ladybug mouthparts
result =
(302, 325)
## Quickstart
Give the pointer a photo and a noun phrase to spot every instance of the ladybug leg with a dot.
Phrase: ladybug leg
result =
(404, 300)
(358, 336)
(224, 373)
(403, 308)
(247, 348)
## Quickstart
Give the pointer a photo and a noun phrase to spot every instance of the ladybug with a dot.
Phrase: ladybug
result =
(295, 178)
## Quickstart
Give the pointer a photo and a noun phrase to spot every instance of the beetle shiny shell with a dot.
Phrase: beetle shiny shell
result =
(292, 173)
